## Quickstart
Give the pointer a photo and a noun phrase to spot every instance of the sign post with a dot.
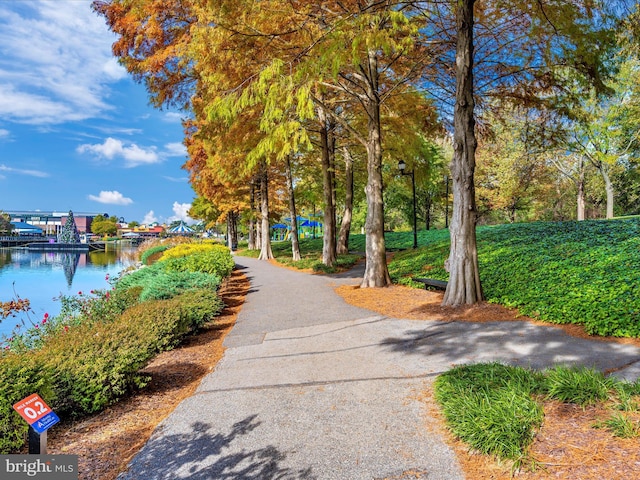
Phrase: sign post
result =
(40, 418)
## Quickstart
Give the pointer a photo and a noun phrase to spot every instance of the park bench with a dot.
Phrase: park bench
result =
(431, 282)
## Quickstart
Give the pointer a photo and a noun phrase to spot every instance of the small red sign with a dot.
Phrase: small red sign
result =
(32, 408)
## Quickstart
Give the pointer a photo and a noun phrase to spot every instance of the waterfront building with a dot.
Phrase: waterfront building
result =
(51, 222)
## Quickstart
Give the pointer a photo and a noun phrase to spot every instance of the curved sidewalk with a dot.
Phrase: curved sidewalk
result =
(313, 388)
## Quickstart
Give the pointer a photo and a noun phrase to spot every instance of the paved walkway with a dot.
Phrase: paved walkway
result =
(313, 388)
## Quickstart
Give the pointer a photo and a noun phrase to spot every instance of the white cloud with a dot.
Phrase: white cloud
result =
(176, 179)
(132, 154)
(4, 133)
(21, 171)
(111, 198)
(55, 62)
(181, 213)
(173, 117)
(175, 149)
(150, 217)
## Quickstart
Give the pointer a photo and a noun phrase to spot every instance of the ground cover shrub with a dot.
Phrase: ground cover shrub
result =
(561, 272)
(95, 365)
(209, 258)
(157, 283)
(490, 407)
(495, 408)
(567, 272)
(167, 285)
(199, 306)
(577, 385)
(152, 251)
(620, 426)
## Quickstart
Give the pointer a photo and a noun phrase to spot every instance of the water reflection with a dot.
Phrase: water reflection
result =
(18, 258)
(42, 277)
(69, 264)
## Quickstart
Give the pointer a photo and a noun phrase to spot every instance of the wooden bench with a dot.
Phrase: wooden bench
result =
(431, 282)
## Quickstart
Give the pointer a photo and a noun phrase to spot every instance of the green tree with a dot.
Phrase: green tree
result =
(104, 226)
(6, 227)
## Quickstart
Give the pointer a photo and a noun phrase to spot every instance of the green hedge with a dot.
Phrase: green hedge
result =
(89, 366)
(20, 376)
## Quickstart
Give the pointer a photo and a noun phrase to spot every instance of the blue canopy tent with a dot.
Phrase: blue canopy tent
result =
(181, 229)
(22, 228)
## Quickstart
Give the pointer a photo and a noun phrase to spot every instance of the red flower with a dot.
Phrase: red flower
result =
(80, 293)
(66, 328)
(106, 295)
(44, 320)
(46, 315)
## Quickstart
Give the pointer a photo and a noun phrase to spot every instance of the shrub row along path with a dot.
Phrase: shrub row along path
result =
(313, 388)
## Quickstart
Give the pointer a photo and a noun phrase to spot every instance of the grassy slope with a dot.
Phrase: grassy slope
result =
(564, 272)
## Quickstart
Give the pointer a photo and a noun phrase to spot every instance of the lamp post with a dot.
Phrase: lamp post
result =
(402, 167)
(446, 205)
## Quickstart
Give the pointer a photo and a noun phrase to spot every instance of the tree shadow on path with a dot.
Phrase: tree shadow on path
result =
(515, 343)
(202, 454)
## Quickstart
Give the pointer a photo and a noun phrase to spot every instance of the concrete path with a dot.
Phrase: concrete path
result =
(313, 388)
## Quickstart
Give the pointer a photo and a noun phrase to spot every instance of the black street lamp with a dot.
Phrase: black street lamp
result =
(402, 167)
(446, 205)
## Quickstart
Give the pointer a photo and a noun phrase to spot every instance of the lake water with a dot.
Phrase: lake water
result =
(43, 276)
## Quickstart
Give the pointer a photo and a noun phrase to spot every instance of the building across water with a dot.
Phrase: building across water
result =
(51, 222)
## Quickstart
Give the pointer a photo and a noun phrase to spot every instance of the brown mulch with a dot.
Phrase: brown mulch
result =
(567, 447)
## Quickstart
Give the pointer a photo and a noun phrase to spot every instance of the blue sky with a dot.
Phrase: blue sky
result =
(75, 131)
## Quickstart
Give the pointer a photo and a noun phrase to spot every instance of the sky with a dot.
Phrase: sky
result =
(76, 132)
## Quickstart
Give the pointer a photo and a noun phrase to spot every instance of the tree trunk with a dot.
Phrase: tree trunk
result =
(427, 217)
(608, 186)
(376, 273)
(252, 223)
(464, 276)
(329, 238)
(258, 213)
(580, 187)
(232, 228)
(295, 246)
(345, 226)
(265, 250)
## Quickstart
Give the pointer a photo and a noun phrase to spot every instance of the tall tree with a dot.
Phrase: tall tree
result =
(464, 275)
(524, 51)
